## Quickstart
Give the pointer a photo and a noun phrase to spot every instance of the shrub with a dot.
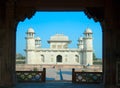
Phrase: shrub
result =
(35, 69)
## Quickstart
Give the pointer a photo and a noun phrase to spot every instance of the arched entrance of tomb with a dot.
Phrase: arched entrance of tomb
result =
(59, 59)
(11, 12)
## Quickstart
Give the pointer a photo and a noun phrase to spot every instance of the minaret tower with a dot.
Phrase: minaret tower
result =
(37, 42)
(80, 47)
(88, 47)
(80, 43)
(30, 46)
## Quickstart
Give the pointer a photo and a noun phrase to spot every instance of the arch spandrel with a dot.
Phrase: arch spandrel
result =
(27, 8)
(96, 13)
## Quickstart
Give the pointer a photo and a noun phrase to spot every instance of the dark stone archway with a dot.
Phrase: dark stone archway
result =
(13, 11)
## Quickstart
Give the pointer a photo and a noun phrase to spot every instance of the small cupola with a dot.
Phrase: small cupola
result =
(88, 33)
(80, 43)
(80, 40)
(30, 32)
(37, 42)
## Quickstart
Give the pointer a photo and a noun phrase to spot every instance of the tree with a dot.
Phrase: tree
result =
(94, 56)
(19, 56)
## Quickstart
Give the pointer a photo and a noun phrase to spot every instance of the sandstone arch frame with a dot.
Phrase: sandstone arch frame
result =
(13, 11)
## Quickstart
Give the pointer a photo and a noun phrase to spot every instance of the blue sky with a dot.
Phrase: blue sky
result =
(71, 24)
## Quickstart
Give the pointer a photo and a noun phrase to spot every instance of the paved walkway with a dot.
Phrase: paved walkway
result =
(57, 85)
(58, 74)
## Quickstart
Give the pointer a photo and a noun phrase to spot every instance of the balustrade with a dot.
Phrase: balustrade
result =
(86, 77)
(31, 76)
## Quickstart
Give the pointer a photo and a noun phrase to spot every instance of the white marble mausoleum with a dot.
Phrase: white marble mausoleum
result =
(59, 52)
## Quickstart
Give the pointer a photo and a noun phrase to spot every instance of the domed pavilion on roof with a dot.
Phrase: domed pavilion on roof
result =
(59, 53)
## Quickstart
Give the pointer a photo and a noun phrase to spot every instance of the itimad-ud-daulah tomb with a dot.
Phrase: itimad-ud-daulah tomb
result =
(59, 53)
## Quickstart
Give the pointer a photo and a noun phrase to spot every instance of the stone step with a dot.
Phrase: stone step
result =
(57, 84)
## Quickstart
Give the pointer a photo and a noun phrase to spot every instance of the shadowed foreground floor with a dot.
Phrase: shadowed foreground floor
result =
(57, 85)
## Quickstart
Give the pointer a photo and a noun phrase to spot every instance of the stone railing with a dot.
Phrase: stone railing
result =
(87, 77)
(31, 76)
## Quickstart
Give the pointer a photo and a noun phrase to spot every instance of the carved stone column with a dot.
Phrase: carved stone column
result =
(7, 58)
(110, 40)
(7, 47)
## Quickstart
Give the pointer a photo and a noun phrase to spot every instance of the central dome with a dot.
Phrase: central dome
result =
(59, 37)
